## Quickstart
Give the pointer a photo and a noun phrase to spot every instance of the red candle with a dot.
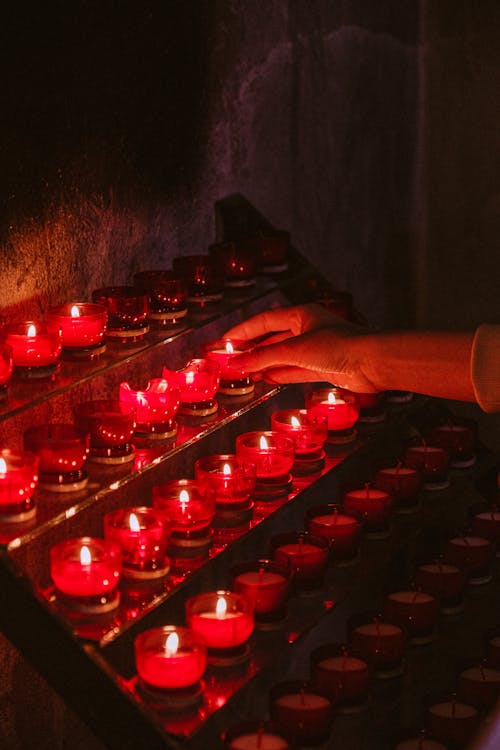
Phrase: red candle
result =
(271, 452)
(306, 555)
(419, 743)
(264, 584)
(6, 368)
(18, 481)
(340, 407)
(234, 380)
(238, 262)
(229, 479)
(379, 643)
(128, 312)
(272, 247)
(373, 507)
(402, 483)
(253, 735)
(170, 657)
(479, 685)
(473, 553)
(34, 345)
(167, 294)
(307, 430)
(487, 526)
(141, 537)
(414, 611)
(433, 463)
(301, 711)
(111, 425)
(223, 619)
(203, 276)
(344, 678)
(83, 324)
(155, 407)
(443, 581)
(458, 438)
(493, 648)
(451, 721)
(85, 568)
(341, 531)
(197, 382)
(62, 450)
(184, 505)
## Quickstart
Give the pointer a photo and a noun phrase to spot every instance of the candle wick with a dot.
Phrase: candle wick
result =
(260, 733)
(421, 740)
(344, 660)
(367, 490)
(453, 705)
(261, 574)
(415, 597)
(302, 697)
(481, 669)
(335, 516)
(398, 468)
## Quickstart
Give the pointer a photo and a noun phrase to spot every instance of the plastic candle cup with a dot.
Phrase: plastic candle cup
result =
(413, 741)
(155, 407)
(458, 438)
(203, 276)
(343, 678)
(271, 247)
(432, 462)
(378, 642)
(224, 621)
(128, 312)
(83, 325)
(265, 584)
(167, 293)
(141, 537)
(273, 455)
(111, 425)
(342, 531)
(373, 507)
(474, 554)
(487, 525)
(305, 554)
(449, 720)
(341, 409)
(234, 381)
(238, 262)
(301, 710)
(6, 368)
(309, 432)
(445, 582)
(85, 572)
(62, 450)
(36, 348)
(18, 481)
(414, 611)
(479, 685)
(231, 482)
(253, 735)
(169, 658)
(197, 382)
(402, 483)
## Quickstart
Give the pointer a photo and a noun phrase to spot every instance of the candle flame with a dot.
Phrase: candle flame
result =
(75, 312)
(85, 556)
(184, 496)
(226, 470)
(331, 398)
(295, 422)
(229, 348)
(172, 644)
(31, 330)
(221, 607)
(3, 466)
(133, 522)
(263, 444)
(162, 386)
(189, 378)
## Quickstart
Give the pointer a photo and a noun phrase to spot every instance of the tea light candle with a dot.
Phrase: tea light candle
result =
(451, 721)
(309, 433)
(6, 368)
(238, 262)
(342, 677)
(419, 743)
(155, 407)
(379, 643)
(458, 438)
(197, 382)
(36, 348)
(487, 526)
(473, 553)
(167, 293)
(272, 248)
(301, 710)
(231, 482)
(111, 425)
(443, 581)
(223, 619)
(203, 276)
(340, 407)
(271, 452)
(85, 572)
(83, 325)
(306, 555)
(141, 537)
(432, 462)
(373, 507)
(62, 450)
(18, 481)
(479, 685)
(341, 531)
(128, 312)
(414, 611)
(170, 657)
(402, 483)
(492, 647)
(234, 380)
(251, 735)
(265, 585)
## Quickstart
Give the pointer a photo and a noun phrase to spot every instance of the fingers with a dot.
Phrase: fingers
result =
(282, 375)
(269, 321)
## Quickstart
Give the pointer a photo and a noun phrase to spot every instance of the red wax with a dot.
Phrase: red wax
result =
(170, 657)
(184, 506)
(433, 462)
(301, 710)
(197, 382)
(223, 351)
(272, 247)
(128, 309)
(6, 363)
(341, 531)
(371, 505)
(18, 480)
(34, 344)
(473, 553)
(237, 260)
(82, 323)
(452, 721)
(85, 567)
(340, 407)
(263, 583)
(255, 735)
(167, 292)
(415, 611)
(305, 554)
(479, 685)
(229, 479)
(155, 406)
(487, 525)
(203, 276)
(61, 448)
(458, 439)
(338, 675)
(141, 536)
(379, 643)
(272, 453)
(401, 482)
(308, 430)
(419, 743)
(222, 619)
(444, 581)
(108, 421)
(493, 649)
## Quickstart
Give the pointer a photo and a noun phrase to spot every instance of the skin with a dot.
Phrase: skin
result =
(307, 343)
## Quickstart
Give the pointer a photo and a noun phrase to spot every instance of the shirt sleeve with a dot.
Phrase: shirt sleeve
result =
(485, 367)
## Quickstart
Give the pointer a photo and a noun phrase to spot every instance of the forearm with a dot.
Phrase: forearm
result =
(434, 363)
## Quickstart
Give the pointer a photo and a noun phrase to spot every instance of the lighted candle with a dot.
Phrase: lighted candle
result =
(62, 450)
(341, 531)
(473, 553)
(197, 382)
(271, 452)
(85, 570)
(479, 685)
(451, 721)
(301, 711)
(128, 311)
(18, 481)
(170, 657)
(432, 462)
(141, 536)
(111, 425)
(264, 584)
(83, 325)
(155, 406)
(373, 507)
(342, 677)
(401, 482)
(6, 368)
(308, 432)
(305, 554)
(34, 346)
(443, 581)
(167, 295)
(223, 619)
(379, 643)
(234, 380)
(231, 480)
(340, 407)
(414, 611)
(252, 735)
